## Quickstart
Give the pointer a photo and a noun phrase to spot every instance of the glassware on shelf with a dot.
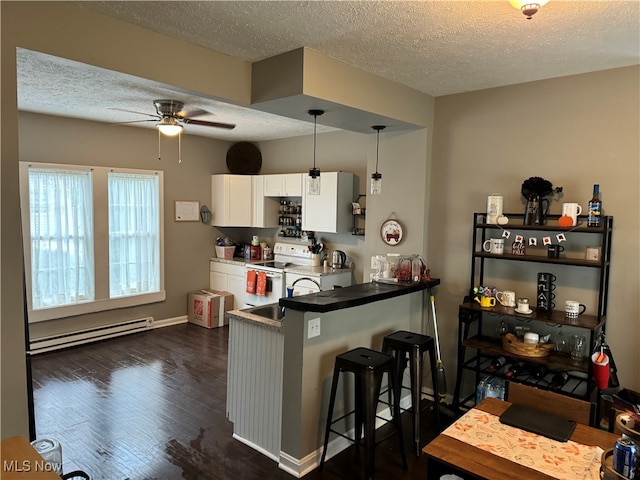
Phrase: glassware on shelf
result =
(577, 348)
(561, 343)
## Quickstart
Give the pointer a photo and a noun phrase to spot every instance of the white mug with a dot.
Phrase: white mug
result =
(573, 309)
(506, 298)
(572, 210)
(494, 245)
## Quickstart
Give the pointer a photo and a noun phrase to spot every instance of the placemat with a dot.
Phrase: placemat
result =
(561, 460)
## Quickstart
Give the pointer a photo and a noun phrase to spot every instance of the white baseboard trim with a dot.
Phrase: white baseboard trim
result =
(167, 322)
(256, 447)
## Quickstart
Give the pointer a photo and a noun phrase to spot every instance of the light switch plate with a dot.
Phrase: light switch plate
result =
(313, 328)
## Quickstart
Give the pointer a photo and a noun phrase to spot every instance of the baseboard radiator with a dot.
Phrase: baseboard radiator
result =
(79, 337)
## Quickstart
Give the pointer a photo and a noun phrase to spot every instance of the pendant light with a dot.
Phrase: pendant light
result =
(528, 7)
(313, 181)
(376, 178)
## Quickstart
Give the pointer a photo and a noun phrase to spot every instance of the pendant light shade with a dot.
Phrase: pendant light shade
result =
(313, 180)
(376, 178)
(528, 7)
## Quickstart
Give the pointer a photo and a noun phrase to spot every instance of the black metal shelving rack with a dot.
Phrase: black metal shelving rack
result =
(476, 351)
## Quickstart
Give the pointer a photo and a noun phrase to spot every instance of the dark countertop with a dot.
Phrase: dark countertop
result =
(353, 296)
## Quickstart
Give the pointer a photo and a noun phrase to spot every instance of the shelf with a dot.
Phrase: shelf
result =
(580, 228)
(586, 321)
(577, 262)
(554, 360)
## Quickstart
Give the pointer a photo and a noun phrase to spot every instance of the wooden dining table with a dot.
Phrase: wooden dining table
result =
(20, 461)
(446, 454)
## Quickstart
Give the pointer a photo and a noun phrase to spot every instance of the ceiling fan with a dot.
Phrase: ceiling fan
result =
(170, 117)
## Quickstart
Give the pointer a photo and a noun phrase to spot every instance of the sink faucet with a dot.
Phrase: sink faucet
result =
(309, 279)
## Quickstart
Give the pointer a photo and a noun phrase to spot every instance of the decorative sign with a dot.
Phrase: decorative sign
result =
(391, 232)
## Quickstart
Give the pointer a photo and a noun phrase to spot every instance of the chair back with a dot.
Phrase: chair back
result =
(570, 408)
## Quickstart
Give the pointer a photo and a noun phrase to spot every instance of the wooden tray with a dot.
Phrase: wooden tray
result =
(632, 433)
(517, 347)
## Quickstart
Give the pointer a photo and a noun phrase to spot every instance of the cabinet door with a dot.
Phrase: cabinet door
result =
(218, 281)
(236, 284)
(231, 198)
(273, 185)
(265, 209)
(292, 184)
(331, 210)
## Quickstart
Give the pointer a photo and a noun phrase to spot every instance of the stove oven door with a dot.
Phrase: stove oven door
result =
(275, 289)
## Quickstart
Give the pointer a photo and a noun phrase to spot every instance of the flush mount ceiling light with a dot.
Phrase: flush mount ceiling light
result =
(313, 181)
(376, 178)
(528, 7)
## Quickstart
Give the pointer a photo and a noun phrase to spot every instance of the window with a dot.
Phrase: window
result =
(92, 238)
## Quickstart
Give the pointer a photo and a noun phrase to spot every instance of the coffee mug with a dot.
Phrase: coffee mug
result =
(494, 245)
(554, 251)
(571, 210)
(573, 309)
(507, 298)
(486, 301)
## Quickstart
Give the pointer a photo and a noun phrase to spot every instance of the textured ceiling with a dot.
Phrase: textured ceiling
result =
(436, 47)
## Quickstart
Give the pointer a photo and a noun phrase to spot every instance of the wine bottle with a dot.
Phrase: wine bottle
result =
(595, 208)
(497, 364)
(538, 371)
(514, 370)
(558, 380)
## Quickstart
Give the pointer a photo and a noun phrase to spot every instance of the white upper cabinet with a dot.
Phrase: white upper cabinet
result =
(265, 209)
(331, 210)
(232, 200)
(283, 185)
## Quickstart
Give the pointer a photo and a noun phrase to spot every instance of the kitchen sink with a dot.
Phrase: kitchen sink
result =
(272, 311)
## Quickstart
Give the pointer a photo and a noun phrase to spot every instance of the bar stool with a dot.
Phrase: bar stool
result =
(368, 367)
(400, 344)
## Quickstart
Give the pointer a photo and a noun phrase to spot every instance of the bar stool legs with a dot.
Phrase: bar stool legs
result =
(368, 367)
(404, 343)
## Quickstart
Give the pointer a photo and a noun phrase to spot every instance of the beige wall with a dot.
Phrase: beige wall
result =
(188, 245)
(573, 131)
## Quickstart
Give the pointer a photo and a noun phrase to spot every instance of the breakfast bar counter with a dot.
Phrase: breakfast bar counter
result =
(280, 366)
(353, 296)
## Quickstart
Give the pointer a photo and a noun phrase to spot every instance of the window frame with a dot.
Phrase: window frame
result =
(102, 301)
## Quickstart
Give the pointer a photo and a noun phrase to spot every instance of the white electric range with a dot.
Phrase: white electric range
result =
(292, 263)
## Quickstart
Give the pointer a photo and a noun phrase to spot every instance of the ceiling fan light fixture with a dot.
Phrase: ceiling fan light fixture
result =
(169, 126)
(528, 7)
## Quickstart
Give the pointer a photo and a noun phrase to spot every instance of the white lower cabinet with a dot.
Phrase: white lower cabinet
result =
(228, 277)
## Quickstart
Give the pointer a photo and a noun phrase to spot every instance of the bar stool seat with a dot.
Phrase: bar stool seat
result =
(368, 367)
(401, 344)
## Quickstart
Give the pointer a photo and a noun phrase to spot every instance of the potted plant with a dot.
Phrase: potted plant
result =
(534, 190)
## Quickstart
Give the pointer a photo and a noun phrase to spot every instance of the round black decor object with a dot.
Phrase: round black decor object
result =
(244, 158)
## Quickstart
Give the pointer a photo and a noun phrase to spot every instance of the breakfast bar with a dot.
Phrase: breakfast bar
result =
(298, 392)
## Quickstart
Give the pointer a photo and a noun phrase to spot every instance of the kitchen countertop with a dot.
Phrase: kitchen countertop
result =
(353, 296)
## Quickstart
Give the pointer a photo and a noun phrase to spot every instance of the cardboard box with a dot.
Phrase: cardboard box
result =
(207, 308)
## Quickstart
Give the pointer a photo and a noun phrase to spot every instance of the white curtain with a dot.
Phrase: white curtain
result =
(134, 234)
(61, 223)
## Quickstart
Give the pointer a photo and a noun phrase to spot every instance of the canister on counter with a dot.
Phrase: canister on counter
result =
(494, 207)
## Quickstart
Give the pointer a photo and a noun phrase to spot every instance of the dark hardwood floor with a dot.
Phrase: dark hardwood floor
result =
(152, 406)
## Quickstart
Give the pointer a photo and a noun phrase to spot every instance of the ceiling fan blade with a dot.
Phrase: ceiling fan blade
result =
(192, 113)
(134, 121)
(132, 111)
(204, 123)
